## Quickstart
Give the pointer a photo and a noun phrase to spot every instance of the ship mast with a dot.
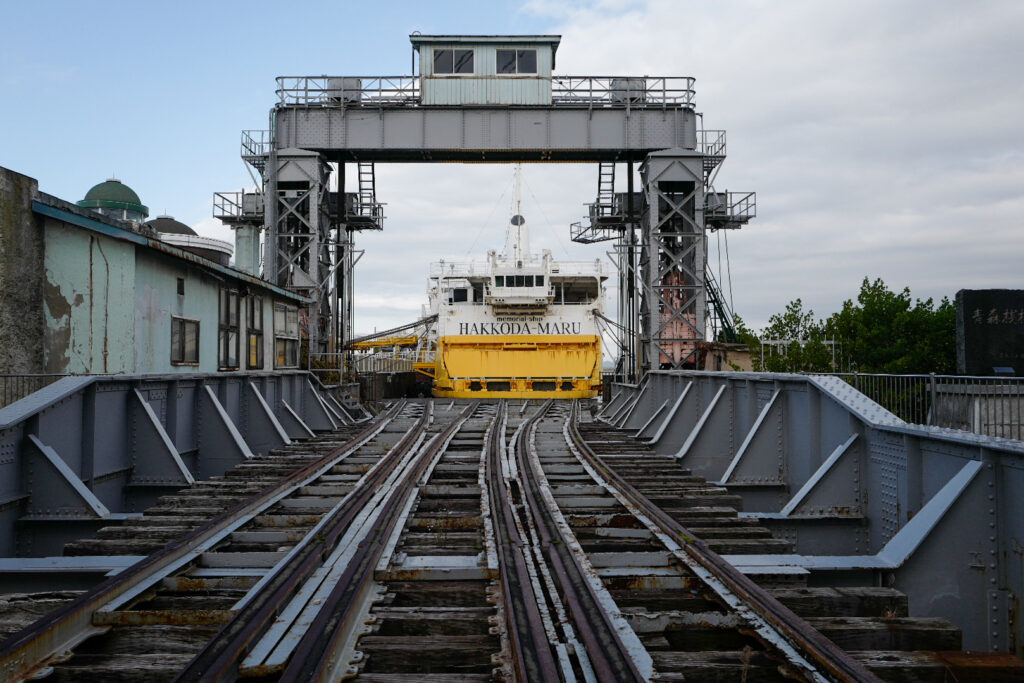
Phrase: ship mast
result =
(517, 238)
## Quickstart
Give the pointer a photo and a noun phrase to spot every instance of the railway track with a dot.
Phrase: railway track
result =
(466, 541)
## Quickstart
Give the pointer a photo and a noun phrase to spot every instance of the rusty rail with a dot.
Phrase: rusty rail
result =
(57, 633)
(222, 654)
(830, 662)
(534, 660)
(608, 655)
(314, 658)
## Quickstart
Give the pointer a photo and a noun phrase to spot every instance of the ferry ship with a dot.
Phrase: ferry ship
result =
(519, 325)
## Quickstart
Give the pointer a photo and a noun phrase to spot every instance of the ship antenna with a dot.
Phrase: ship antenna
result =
(517, 185)
(517, 239)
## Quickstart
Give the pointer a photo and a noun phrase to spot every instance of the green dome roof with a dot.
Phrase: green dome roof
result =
(113, 194)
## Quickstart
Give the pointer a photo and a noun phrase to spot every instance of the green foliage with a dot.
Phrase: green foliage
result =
(807, 351)
(884, 332)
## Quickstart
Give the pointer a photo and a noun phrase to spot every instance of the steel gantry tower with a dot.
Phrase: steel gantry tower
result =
(495, 99)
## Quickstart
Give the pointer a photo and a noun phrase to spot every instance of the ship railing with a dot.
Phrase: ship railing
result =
(373, 91)
(451, 269)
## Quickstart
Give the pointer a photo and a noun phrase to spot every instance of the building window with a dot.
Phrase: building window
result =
(453, 61)
(227, 340)
(286, 336)
(184, 341)
(254, 344)
(517, 61)
(181, 286)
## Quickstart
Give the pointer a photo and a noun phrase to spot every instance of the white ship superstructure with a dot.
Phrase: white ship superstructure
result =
(518, 325)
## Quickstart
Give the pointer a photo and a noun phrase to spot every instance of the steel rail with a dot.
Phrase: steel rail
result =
(315, 657)
(531, 650)
(224, 652)
(609, 656)
(834, 662)
(56, 634)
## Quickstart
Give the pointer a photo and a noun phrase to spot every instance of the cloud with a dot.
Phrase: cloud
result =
(883, 140)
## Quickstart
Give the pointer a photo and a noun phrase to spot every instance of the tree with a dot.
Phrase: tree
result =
(806, 350)
(885, 332)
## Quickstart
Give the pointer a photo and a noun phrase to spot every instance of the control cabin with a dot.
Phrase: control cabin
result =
(485, 70)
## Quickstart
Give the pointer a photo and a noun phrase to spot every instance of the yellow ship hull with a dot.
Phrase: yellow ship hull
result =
(518, 366)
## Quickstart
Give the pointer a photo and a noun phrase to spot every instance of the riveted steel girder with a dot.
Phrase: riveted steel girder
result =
(417, 134)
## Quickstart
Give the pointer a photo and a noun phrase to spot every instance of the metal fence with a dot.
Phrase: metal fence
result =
(993, 406)
(16, 387)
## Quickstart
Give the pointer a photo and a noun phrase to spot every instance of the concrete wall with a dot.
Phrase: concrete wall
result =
(21, 276)
(87, 301)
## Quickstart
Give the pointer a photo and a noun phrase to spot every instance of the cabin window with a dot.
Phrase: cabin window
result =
(520, 280)
(459, 295)
(453, 61)
(529, 281)
(286, 336)
(539, 279)
(517, 61)
(184, 341)
(499, 280)
(254, 337)
(227, 338)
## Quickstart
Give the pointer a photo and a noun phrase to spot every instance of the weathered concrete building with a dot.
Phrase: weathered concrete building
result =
(84, 292)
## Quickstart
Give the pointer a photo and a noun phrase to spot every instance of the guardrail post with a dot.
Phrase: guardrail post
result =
(932, 392)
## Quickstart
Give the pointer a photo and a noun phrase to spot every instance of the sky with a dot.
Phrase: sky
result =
(883, 139)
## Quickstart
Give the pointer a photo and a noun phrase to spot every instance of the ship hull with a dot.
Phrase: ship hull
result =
(518, 366)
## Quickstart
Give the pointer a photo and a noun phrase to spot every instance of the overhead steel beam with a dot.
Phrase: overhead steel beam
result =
(483, 134)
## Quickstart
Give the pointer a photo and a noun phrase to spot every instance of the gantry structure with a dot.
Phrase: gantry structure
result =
(495, 99)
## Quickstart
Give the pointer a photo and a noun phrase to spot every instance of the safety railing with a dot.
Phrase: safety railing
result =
(348, 90)
(991, 406)
(255, 143)
(604, 91)
(737, 206)
(16, 387)
(623, 91)
(466, 269)
(712, 143)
